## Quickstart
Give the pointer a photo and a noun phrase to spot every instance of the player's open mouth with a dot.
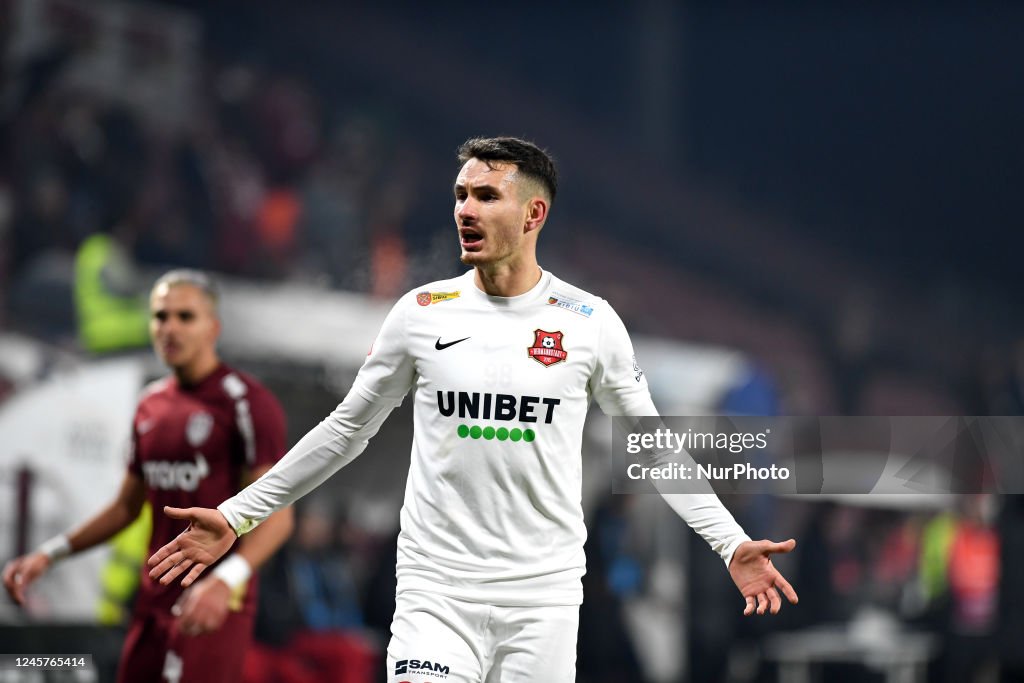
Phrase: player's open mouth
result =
(469, 237)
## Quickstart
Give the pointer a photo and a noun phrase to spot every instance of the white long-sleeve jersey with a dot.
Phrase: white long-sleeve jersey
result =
(492, 508)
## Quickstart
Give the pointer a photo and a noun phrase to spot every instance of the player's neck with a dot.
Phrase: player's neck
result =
(194, 373)
(508, 279)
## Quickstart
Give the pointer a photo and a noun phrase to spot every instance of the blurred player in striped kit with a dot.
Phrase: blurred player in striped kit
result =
(198, 435)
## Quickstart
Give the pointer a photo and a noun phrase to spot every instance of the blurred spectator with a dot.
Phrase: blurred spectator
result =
(933, 565)
(337, 228)
(849, 347)
(714, 629)
(606, 652)
(332, 226)
(174, 213)
(310, 624)
(277, 221)
(832, 564)
(1007, 398)
(895, 570)
(973, 580)
(1010, 631)
(112, 311)
(40, 223)
(321, 580)
(717, 635)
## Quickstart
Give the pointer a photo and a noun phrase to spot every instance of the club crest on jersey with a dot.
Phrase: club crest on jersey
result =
(198, 428)
(547, 348)
(427, 298)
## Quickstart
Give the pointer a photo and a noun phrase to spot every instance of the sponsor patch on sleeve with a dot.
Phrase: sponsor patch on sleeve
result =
(427, 298)
(570, 304)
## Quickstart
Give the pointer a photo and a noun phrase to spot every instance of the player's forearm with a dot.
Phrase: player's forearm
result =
(316, 456)
(702, 510)
(706, 515)
(328, 447)
(103, 525)
(264, 541)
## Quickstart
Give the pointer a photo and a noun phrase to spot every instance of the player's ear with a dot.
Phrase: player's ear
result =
(536, 213)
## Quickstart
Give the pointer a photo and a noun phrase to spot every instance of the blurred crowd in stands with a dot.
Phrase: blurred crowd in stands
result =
(270, 177)
(267, 175)
(255, 186)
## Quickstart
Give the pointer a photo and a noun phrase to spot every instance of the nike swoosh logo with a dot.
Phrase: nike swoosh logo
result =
(441, 347)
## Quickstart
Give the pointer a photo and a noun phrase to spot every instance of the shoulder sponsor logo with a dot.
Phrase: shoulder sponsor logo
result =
(570, 304)
(547, 348)
(427, 298)
(637, 372)
(198, 428)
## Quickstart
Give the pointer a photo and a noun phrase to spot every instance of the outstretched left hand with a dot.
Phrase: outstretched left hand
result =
(757, 578)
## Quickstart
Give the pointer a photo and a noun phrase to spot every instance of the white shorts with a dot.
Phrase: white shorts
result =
(437, 639)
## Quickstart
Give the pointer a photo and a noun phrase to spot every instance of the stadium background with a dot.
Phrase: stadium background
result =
(796, 210)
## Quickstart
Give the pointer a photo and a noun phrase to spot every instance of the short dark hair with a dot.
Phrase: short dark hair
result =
(531, 160)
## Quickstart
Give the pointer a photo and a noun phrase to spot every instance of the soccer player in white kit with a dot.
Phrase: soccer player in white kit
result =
(504, 361)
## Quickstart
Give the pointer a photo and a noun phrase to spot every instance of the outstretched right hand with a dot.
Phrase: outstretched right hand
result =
(205, 541)
(22, 571)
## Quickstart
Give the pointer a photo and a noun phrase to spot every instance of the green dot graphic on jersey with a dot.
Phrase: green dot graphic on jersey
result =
(489, 433)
